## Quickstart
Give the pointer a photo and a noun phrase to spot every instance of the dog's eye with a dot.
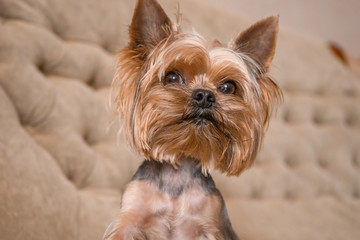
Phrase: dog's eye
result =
(228, 87)
(173, 77)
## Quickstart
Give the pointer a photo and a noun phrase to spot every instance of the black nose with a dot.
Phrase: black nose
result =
(203, 98)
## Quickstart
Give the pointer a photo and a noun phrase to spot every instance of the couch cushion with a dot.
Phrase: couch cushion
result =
(62, 170)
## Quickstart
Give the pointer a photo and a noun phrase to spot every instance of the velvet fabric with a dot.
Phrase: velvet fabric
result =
(62, 169)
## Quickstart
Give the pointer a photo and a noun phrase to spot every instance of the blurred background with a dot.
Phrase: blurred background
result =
(330, 20)
(63, 168)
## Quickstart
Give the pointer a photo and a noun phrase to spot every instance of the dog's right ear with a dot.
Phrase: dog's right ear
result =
(149, 26)
(259, 40)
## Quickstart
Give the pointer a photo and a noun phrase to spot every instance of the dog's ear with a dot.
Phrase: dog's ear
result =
(149, 26)
(259, 41)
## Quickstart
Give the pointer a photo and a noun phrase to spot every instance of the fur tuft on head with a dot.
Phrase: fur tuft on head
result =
(182, 97)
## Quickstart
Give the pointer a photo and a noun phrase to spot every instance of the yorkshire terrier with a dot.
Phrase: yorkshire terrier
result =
(189, 106)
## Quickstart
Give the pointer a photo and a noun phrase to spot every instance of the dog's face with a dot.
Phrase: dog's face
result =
(181, 96)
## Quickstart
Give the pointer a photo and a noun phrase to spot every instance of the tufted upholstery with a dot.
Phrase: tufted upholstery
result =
(62, 171)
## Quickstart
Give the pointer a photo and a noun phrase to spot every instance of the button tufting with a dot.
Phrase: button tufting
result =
(323, 163)
(286, 116)
(352, 120)
(356, 159)
(53, 84)
(290, 195)
(291, 162)
(256, 194)
(350, 92)
(317, 119)
(356, 193)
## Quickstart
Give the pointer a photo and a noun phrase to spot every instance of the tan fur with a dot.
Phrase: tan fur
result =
(153, 113)
(148, 214)
(164, 123)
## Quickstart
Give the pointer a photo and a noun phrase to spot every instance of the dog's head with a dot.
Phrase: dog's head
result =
(181, 96)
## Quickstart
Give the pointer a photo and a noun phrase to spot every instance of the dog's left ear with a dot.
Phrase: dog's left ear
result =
(149, 26)
(259, 41)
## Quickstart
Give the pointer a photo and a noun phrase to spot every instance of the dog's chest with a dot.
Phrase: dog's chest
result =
(173, 206)
(183, 217)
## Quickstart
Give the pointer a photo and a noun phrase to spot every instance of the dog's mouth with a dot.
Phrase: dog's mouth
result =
(200, 117)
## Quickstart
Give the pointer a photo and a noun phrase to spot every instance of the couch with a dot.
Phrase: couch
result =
(64, 165)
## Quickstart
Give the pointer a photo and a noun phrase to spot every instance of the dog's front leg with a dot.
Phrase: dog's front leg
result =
(125, 227)
(142, 215)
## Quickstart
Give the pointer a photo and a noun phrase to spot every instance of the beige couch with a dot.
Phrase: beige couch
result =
(62, 171)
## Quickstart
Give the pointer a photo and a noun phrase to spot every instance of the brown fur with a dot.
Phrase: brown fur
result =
(161, 121)
(160, 213)
(154, 114)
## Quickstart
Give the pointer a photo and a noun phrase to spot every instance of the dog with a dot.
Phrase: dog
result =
(189, 106)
